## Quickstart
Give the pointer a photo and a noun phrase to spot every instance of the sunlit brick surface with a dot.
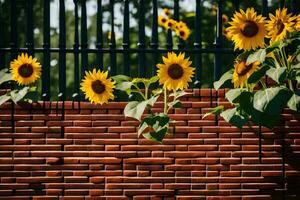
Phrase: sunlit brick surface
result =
(94, 153)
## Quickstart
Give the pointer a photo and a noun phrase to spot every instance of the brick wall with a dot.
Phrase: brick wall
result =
(94, 153)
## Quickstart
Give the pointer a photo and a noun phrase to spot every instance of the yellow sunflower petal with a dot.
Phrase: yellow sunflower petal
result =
(175, 73)
(242, 72)
(280, 25)
(25, 69)
(247, 30)
(97, 87)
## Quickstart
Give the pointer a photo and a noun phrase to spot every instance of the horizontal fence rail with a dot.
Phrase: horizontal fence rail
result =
(81, 50)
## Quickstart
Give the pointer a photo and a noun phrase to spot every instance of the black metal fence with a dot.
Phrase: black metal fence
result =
(81, 50)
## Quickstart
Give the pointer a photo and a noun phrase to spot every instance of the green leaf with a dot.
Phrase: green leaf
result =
(233, 117)
(178, 94)
(259, 55)
(274, 45)
(135, 109)
(233, 94)
(245, 101)
(294, 102)
(157, 136)
(121, 78)
(32, 96)
(4, 98)
(151, 101)
(17, 95)
(157, 91)
(294, 73)
(271, 100)
(257, 75)
(225, 80)
(277, 74)
(4, 76)
(216, 111)
(153, 79)
(158, 127)
(124, 86)
(264, 119)
(175, 104)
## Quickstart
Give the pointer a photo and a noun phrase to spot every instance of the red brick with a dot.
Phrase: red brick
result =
(100, 157)
(121, 129)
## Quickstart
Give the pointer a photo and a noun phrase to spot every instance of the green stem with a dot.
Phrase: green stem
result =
(278, 56)
(285, 58)
(263, 84)
(146, 92)
(139, 91)
(165, 101)
(174, 99)
(290, 85)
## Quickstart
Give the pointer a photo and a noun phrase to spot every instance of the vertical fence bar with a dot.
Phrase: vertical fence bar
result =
(112, 43)
(126, 40)
(236, 3)
(176, 17)
(13, 29)
(99, 44)
(281, 3)
(13, 45)
(46, 52)
(169, 44)
(29, 31)
(2, 54)
(218, 42)
(198, 45)
(141, 43)
(265, 8)
(62, 51)
(84, 45)
(154, 38)
(265, 14)
(76, 95)
(295, 7)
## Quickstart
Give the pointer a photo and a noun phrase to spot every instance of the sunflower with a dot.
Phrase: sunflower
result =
(279, 25)
(167, 11)
(97, 87)
(242, 72)
(224, 19)
(214, 9)
(183, 33)
(297, 25)
(162, 21)
(171, 24)
(247, 29)
(175, 72)
(25, 70)
(226, 34)
(180, 25)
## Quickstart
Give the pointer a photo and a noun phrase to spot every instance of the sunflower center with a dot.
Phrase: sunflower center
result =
(175, 71)
(249, 29)
(243, 69)
(279, 26)
(181, 33)
(98, 87)
(163, 20)
(25, 70)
